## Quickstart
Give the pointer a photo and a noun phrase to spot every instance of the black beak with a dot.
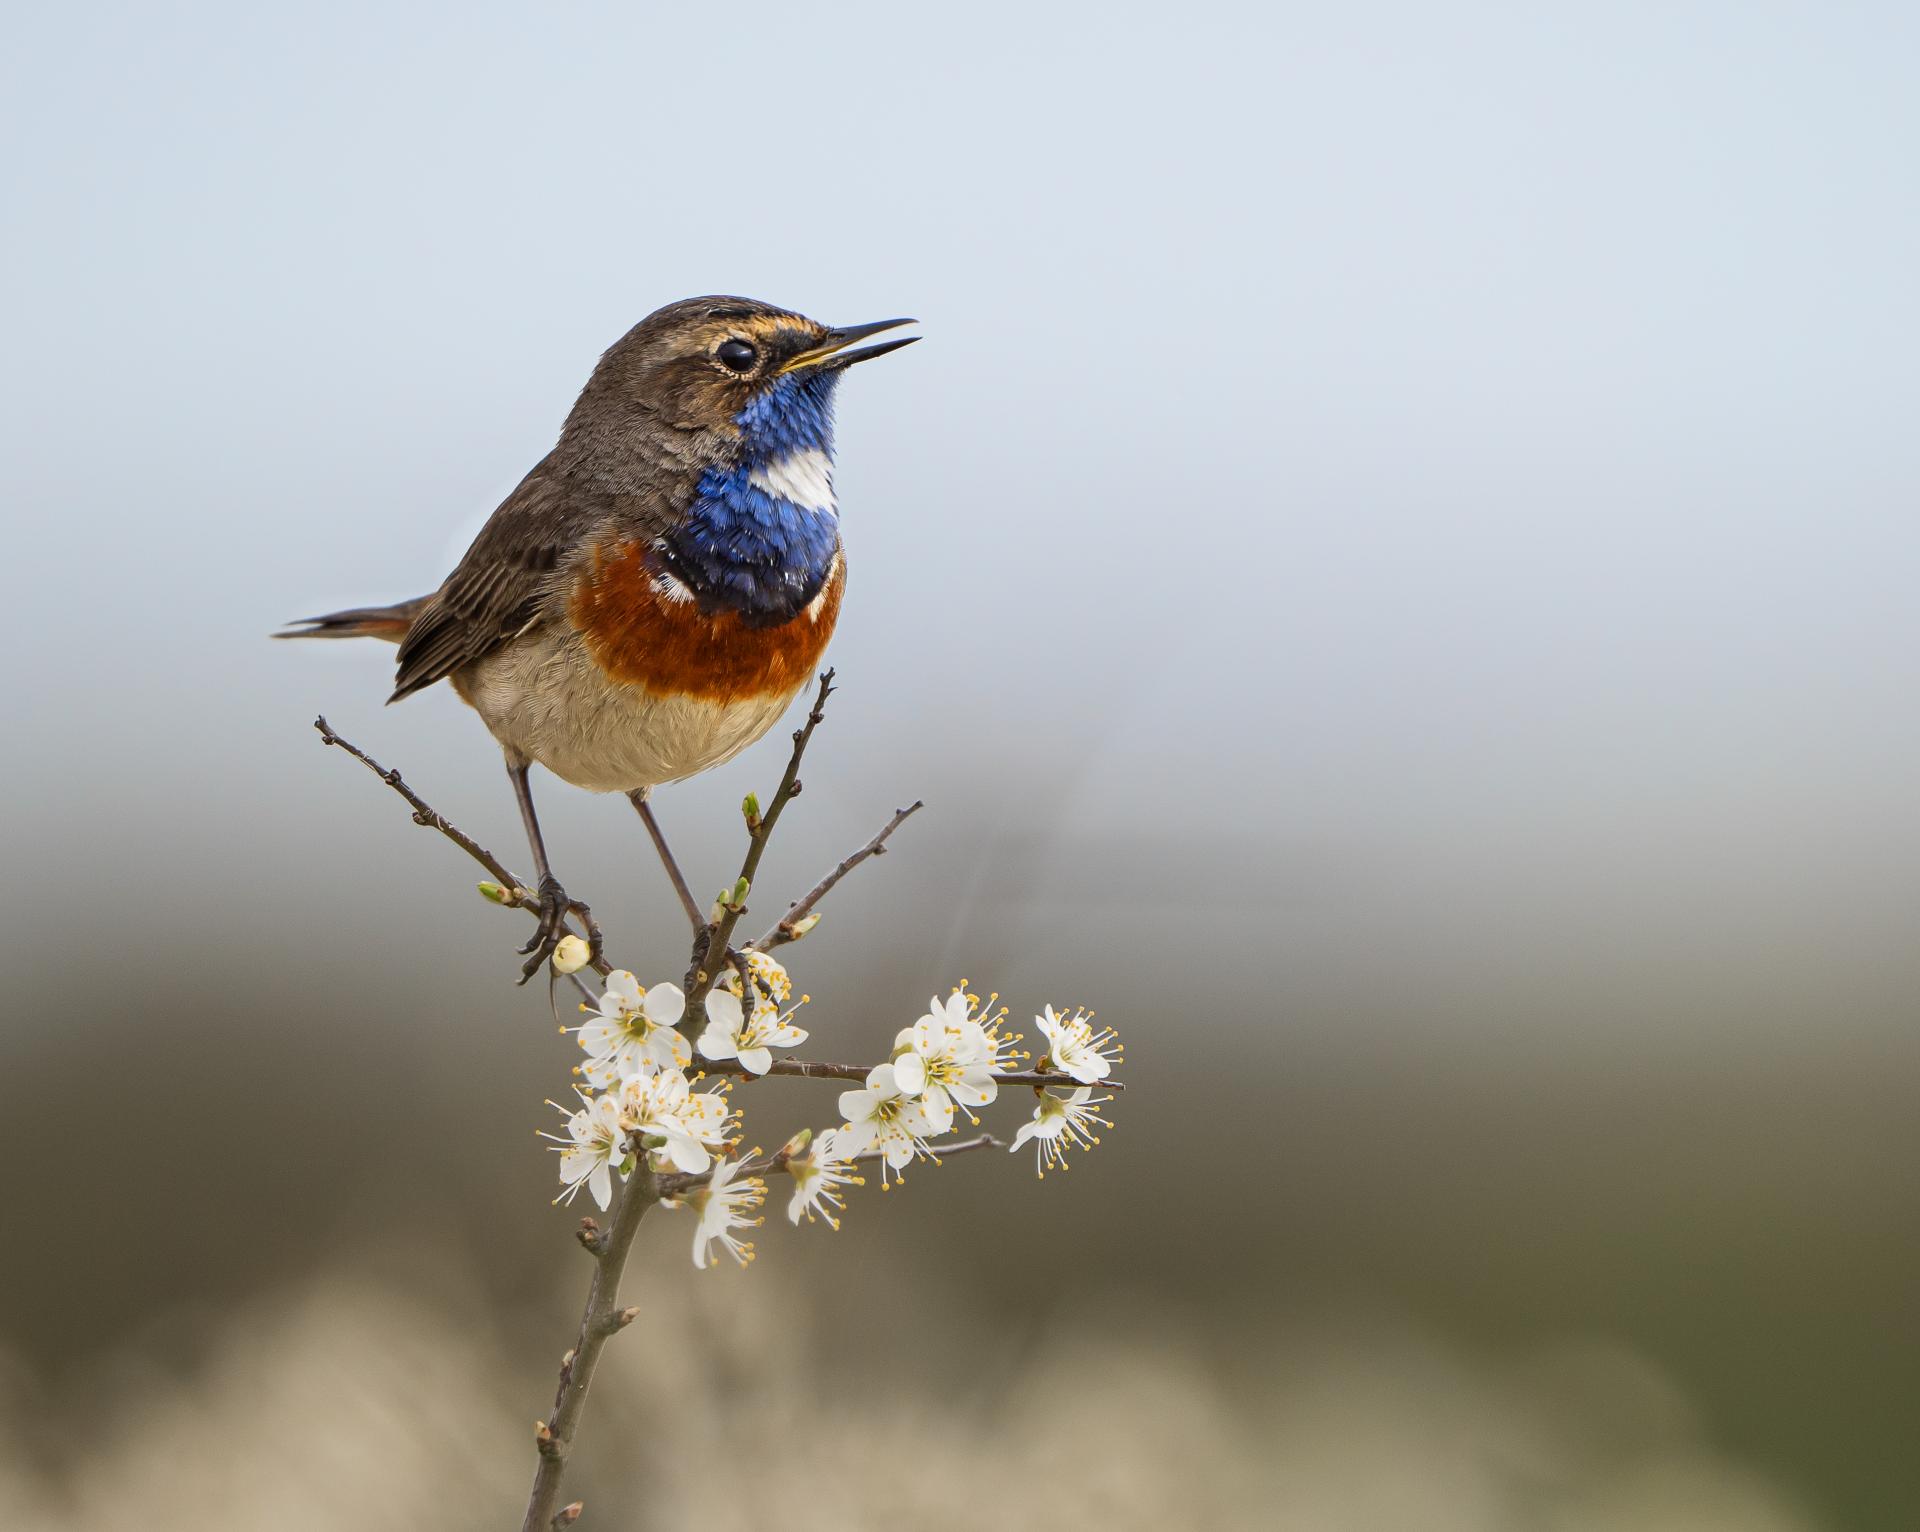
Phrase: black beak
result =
(831, 354)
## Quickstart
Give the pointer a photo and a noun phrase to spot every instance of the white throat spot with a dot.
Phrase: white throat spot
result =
(803, 479)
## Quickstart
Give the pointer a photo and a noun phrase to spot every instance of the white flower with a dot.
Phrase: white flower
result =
(664, 1106)
(594, 1144)
(1076, 1049)
(632, 1033)
(944, 1057)
(817, 1176)
(884, 1117)
(730, 1035)
(570, 955)
(1061, 1123)
(721, 1203)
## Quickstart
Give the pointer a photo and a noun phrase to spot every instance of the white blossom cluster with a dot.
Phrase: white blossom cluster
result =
(637, 1098)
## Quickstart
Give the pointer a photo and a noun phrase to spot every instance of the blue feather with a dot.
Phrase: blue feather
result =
(748, 550)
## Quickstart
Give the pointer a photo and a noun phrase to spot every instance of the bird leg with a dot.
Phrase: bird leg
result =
(638, 797)
(555, 906)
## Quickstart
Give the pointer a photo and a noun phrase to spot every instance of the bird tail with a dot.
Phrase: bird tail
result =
(387, 622)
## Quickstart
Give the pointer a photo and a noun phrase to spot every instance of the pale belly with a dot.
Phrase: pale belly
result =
(546, 701)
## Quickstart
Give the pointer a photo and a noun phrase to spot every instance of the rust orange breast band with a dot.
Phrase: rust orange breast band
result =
(671, 647)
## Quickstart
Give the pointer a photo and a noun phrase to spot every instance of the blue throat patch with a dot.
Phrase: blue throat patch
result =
(747, 549)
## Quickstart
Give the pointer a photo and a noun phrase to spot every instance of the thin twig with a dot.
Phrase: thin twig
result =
(601, 1319)
(940, 1151)
(514, 893)
(784, 932)
(672, 1186)
(710, 943)
(425, 813)
(812, 1069)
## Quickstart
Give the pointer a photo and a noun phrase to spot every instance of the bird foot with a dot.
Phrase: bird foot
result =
(555, 907)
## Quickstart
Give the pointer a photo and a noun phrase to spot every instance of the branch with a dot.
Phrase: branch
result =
(941, 1151)
(813, 1070)
(424, 813)
(784, 932)
(601, 1319)
(770, 1164)
(710, 944)
(514, 893)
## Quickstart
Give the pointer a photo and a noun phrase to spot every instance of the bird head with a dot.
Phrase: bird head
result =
(736, 367)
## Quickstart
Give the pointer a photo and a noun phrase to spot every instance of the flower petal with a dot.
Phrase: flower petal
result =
(665, 1005)
(935, 1111)
(909, 1074)
(677, 1051)
(856, 1106)
(723, 1006)
(975, 1087)
(687, 1154)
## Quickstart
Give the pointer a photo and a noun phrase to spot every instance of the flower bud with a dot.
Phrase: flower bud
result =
(801, 927)
(492, 891)
(571, 955)
(750, 811)
(797, 1145)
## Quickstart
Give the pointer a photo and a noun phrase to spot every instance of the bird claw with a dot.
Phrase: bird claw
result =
(555, 907)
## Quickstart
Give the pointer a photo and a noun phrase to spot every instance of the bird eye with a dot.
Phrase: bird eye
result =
(737, 354)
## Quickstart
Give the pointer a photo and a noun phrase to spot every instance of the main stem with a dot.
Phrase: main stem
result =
(599, 1321)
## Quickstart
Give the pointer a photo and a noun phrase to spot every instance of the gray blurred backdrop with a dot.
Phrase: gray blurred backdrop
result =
(1393, 570)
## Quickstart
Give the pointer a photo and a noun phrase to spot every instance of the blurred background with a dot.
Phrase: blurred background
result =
(1393, 571)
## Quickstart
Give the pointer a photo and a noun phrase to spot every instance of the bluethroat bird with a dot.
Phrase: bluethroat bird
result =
(658, 588)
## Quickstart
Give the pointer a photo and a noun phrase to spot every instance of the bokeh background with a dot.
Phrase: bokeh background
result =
(1393, 570)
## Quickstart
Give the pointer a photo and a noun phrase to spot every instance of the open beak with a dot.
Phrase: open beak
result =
(831, 354)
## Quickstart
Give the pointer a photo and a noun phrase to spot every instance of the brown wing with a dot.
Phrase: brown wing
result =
(514, 566)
